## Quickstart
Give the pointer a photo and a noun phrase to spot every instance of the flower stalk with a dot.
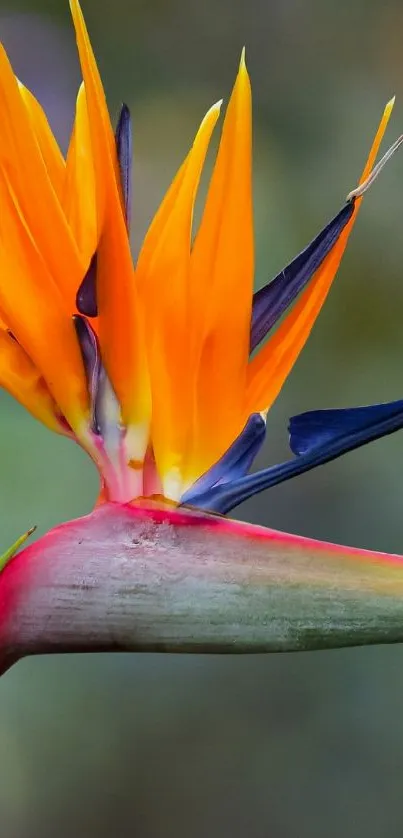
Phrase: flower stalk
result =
(149, 579)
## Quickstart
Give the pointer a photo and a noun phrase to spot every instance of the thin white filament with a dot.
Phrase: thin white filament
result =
(362, 188)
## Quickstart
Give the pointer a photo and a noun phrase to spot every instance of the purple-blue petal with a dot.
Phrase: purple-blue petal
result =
(270, 303)
(86, 299)
(91, 360)
(317, 428)
(319, 442)
(124, 148)
(235, 463)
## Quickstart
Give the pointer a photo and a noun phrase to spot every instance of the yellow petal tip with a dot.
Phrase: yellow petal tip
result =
(76, 13)
(389, 105)
(216, 108)
(243, 75)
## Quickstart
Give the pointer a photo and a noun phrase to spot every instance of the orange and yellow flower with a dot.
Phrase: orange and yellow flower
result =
(148, 366)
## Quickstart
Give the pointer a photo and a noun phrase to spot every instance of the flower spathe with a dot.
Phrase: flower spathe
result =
(148, 366)
(137, 577)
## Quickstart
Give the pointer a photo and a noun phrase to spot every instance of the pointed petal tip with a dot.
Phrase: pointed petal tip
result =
(124, 114)
(215, 109)
(86, 297)
(389, 105)
(78, 19)
(243, 70)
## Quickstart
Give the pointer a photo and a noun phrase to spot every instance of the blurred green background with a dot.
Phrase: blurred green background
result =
(299, 746)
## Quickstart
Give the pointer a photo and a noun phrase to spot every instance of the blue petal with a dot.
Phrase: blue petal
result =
(272, 301)
(91, 360)
(235, 463)
(316, 428)
(124, 148)
(347, 430)
(86, 299)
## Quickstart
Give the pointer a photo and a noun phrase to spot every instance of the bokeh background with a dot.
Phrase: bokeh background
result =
(299, 746)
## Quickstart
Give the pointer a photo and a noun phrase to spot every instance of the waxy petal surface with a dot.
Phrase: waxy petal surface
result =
(34, 310)
(120, 327)
(79, 197)
(235, 463)
(271, 366)
(221, 286)
(316, 437)
(20, 377)
(163, 275)
(49, 148)
(24, 169)
(271, 301)
(124, 149)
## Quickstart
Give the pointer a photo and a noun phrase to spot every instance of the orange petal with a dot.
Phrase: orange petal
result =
(103, 143)
(162, 215)
(50, 151)
(272, 364)
(221, 284)
(163, 276)
(79, 187)
(23, 166)
(3, 324)
(121, 337)
(20, 377)
(34, 310)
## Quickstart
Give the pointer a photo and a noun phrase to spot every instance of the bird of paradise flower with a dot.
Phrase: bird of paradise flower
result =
(160, 371)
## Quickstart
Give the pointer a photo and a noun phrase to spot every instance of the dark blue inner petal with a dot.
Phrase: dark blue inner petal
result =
(316, 428)
(86, 299)
(347, 430)
(124, 148)
(274, 298)
(91, 360)
(235, 462)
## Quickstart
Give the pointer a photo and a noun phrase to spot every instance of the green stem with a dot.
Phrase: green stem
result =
(144, 579)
